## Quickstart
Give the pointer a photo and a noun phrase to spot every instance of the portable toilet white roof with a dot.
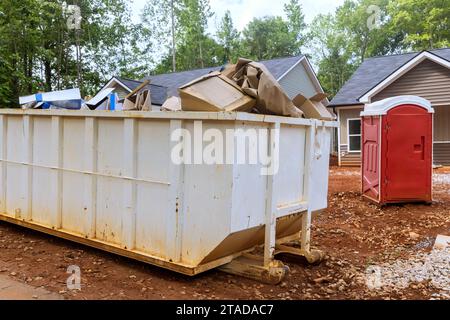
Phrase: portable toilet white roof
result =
(382, 107)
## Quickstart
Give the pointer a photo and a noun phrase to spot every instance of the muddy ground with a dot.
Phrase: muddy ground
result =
(356, 235)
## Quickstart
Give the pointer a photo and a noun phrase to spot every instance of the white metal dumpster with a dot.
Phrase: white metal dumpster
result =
(108, 180)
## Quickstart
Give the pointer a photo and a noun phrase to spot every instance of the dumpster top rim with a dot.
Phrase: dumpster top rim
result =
(179, 115)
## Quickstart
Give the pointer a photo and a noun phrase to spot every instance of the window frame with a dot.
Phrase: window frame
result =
(354, 135)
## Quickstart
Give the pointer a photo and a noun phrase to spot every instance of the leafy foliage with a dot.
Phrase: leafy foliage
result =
(39, 52)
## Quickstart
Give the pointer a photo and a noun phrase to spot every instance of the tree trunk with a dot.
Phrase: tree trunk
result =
(48, 75)
(30, 73)
(79, 58)
(202, 63)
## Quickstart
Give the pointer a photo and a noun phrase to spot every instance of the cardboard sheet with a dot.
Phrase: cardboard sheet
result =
(313, 107)
(172, 104)
(214, 92)
(258, 82)
(99, 98)
(138, 102)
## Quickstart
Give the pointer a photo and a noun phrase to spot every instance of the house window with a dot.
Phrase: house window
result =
(354, 135)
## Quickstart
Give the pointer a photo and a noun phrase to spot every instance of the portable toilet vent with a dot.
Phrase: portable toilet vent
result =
(397, 148)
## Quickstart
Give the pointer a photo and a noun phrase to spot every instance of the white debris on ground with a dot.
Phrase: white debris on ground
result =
(433, 267)
(441, 178)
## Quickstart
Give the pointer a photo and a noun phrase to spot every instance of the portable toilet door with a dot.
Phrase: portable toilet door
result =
(397, 150)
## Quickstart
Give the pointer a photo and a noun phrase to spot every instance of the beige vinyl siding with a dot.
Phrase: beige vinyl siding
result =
(298, 81)
(350, 159)
(441, 154)
(428, 80)
(442, 123)
(344, 115)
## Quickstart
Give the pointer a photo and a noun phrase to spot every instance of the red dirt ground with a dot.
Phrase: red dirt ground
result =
(354, 233)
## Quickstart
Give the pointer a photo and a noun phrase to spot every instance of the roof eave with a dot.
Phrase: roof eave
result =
(350, 104)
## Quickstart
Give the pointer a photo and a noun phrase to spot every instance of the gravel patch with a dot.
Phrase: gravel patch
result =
(433, 267)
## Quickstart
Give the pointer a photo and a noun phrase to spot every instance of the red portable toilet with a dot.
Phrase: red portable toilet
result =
(397, 149)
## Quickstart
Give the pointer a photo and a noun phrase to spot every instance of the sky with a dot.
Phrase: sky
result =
(243, 11)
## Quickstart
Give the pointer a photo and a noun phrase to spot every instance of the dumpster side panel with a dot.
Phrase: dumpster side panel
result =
(42, 198)
(17, 196)
(207, 203)
(74, 216)
(249, 186)
(153, 158)
(109, 189)
(289, 182)
(320, 168)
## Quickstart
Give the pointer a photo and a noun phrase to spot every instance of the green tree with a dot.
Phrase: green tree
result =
(272, 37)
(367, 28)
(39, 52)
(19, 39)
(296, 24)
(331, 53)
(425, 23)
(229, 38)
(194, 47)
(268, 38)
(193, 20)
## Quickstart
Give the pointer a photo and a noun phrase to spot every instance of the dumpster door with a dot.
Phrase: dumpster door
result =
(409, 153)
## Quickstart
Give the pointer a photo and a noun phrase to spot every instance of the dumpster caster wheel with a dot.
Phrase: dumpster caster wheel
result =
(315, 256)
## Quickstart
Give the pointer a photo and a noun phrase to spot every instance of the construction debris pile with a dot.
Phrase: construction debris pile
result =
(246, 86)
(256, 81)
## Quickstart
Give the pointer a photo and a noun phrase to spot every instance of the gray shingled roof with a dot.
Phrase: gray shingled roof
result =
(158, 93)
(173, 81)
(373, 71)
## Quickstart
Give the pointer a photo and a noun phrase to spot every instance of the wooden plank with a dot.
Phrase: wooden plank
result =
(138, 88)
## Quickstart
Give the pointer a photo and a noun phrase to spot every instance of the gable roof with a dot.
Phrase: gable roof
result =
(374, 71)
(278, 67)
(158, 93)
